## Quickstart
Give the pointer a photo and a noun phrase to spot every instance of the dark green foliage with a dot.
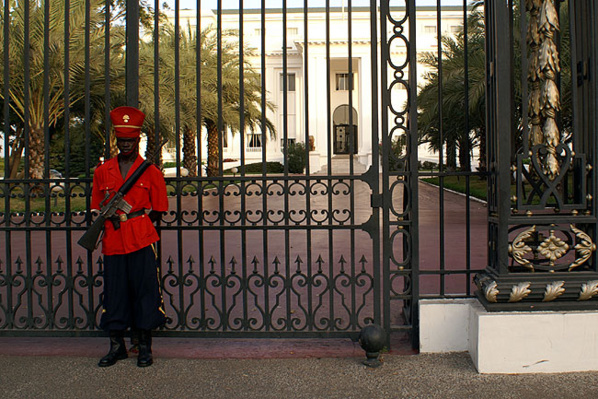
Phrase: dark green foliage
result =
(296, 157)
(427, 165)
(461, 131)
(271, 167)
(256, 168)
(77, 153)
(396, 158)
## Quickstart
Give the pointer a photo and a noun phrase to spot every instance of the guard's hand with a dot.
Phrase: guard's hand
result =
(155, 216)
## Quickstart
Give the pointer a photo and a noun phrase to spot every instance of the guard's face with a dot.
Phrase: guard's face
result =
(127, 146)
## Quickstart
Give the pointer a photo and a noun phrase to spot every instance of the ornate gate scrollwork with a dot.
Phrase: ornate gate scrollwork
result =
(536, 251)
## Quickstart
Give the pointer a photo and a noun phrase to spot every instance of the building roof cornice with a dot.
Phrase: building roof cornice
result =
(335, 9)
(332, 42)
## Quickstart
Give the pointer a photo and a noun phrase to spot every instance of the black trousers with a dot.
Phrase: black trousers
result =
(132, 295)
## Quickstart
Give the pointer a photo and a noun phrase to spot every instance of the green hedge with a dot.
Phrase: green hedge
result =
(256, 168)
(296, 157)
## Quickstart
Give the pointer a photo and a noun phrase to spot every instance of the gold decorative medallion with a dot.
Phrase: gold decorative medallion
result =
(126, 118)
(530, 248)
(553, 248)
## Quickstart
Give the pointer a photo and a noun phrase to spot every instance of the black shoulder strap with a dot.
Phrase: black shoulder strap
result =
(134, 177)
(139, 171)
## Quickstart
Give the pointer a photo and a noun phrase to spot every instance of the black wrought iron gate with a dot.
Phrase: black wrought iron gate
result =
(245, 250)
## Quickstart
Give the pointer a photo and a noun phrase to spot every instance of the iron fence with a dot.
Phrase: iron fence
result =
(352, 237)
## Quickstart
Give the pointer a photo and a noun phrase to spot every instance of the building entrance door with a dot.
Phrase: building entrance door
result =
(342, 139)
(344, 119)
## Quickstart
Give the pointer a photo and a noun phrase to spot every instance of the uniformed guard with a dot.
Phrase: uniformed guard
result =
(132, 296)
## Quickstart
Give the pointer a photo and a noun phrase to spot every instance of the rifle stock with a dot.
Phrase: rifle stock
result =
(90, 238)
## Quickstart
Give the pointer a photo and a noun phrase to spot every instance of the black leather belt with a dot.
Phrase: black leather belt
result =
(123, 217)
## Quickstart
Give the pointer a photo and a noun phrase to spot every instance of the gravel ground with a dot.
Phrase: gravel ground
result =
(420, 376)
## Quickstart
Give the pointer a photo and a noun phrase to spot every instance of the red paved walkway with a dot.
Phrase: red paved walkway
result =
(200, 348)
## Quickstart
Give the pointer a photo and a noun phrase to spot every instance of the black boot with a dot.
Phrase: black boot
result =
(145, 357)
(118, 351)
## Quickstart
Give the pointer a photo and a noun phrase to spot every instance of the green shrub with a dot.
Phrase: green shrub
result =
(396, 161)
(427, 165)
(79, 143)
(271, 167)
(296, 157)
(256, 168)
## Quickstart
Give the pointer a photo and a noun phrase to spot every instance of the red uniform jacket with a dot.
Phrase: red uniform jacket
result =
(149, 192)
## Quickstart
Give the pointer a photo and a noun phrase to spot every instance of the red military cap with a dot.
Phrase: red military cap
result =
(127, 122)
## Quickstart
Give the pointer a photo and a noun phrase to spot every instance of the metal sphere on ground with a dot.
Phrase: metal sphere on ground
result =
(372, 339)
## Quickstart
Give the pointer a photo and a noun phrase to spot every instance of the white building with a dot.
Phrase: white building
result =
(318, 95)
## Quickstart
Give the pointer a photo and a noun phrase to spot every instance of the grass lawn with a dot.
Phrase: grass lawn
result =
(57, 203)
(477, 187)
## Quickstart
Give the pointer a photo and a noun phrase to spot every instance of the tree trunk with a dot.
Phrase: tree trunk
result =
(189, 157)
(483, 167)
(150, 150)
(113, 147)
(464, 152)
(16, 154)
(36, 152)
(451, 155)
(213, 149)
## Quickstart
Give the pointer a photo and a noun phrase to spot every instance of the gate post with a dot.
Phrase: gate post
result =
(542, 150)
(400, 210)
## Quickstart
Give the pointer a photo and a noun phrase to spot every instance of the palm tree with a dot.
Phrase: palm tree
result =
(164, 91)
(164, 68)
(46, 57)
(461, 131)
(456, 135)
(229, 87)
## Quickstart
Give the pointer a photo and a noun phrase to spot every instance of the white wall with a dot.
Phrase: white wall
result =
(511, 342)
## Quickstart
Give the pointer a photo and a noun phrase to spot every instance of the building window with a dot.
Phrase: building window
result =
(224, 140)
(430, 29)
(344, 81)
(254, 140)
(292, 31)
(290, 141)
(290, 82)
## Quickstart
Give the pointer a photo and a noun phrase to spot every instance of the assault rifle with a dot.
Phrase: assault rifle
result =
(90, 238)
